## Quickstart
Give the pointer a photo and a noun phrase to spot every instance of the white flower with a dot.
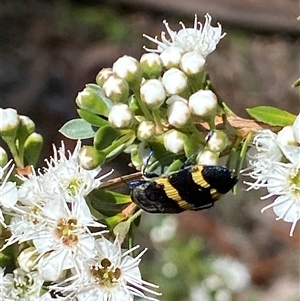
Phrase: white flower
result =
(192, 63)
(284, 184)
(178, 111)
(202, 40)
(296, 129)
(109, 276)
(174, 141)
(21, 286)
(64, 173)
(203, 103)
(261, 156)
(174, 81)
(153, 93)
(8, 191)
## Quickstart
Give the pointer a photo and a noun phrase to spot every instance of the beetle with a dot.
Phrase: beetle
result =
(190, 188)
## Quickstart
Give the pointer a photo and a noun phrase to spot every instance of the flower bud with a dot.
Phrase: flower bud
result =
(32, 148)
(178, 111)
(27, 259)
(128, 68)
(171, 56)
(203, 103)
(296, 129)
(26, 127)
(207, 157)
(175, 81)
(217, 141)
(89, 158)
(120, 116)
(153, 93)
(192, 63)
(9, 122)
(3, 157)
(151, 65)
(146, 130)
(116, 89)
(174, 141)
(103, 75)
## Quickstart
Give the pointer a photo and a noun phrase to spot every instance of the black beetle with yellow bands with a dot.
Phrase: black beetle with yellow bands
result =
(190, 188)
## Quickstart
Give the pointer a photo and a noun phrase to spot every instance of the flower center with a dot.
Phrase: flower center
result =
(74, 185)
(295, 181)
(66, 229)
(105, 275)
(22, 285)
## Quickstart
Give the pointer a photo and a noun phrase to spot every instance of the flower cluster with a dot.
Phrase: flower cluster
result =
(274, 161)
(48, 214)
(158, 99)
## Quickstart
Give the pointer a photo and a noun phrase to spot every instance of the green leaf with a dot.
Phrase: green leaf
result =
(105, 136)
(77, 129)
(108, 202)
(296, 83)
(271, 115)
(92, 118)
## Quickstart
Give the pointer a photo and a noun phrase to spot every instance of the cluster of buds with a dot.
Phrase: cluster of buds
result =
(18, 131)
(158, 99)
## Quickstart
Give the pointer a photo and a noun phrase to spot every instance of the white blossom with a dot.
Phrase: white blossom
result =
(202, 40)
(127, 67)
(146, 130)
(174, 81)
(116, 88)
(109, 276)
(8, 191)
(21, 286)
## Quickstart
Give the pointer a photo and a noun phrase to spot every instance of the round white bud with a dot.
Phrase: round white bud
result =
(153, 93)
(192, 63)
(151, 65)
(120, 116)
(217, 141)
(116, 89)
(128, 68)
(207, 157)
(174, 141)
(103, 75)
(146, 130)
(203, 103)
(171, 56)
(9, 122)
(175, 81)
(178, 112)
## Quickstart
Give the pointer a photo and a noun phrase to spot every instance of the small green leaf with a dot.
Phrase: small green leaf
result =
(105, 136)
(271, 115)
(92, 118)
(77, 129)
(296, 83)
